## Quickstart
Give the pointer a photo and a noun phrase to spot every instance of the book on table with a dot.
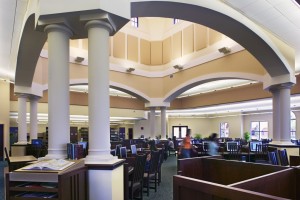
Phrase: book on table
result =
(54, 164)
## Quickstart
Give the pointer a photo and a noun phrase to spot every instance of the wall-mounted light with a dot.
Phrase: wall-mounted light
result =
(179, 67)
(79, 59)
(224, 50)
(130, 69)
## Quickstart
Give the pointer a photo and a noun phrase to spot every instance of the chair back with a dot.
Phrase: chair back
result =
(118, 146)
(113, 152)
(272, 155)
(283, 158)
(154, 162)
(7, 156)
(133, 149)
(123, 152)
(139, 168)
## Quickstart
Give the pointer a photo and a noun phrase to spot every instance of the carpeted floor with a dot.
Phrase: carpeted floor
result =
(164, 191)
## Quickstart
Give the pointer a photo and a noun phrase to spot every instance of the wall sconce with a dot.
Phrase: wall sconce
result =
(179, 67)
(130, 69)
(224, 50)
(79, 59)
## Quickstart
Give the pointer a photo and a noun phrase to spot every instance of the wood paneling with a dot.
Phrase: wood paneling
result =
(176, 45)
(145, 52)
(119, 45)
(188, 40)
(200, 37)
(156, 53)
(132, 48)
(167, 50)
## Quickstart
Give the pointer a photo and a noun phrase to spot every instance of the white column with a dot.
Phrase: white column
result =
(163, 122)
(285, 110)
(58, 90)
(276, 114)
(33, 117)
(281, 113)
(98, 94)
(22, 126)
(152, 122)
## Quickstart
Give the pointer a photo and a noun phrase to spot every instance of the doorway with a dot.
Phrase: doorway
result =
(179, 131)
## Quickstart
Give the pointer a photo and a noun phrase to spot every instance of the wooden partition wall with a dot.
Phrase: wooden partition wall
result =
(210, 178)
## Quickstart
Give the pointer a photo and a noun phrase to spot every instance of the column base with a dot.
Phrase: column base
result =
(96, 159)
(106, 180)
(56, 154)
(21, 143)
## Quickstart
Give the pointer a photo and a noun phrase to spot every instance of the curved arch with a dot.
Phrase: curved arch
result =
(207, 78)
(214, 15)
(118, 86)
(29, 51)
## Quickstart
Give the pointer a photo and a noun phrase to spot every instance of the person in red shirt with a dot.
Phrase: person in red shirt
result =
(186, 146)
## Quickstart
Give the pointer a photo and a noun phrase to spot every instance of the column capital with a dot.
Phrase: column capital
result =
(22, 95)
(102, 20)
(157, 102)
(58, 27)
(274, 88)
(34, 97)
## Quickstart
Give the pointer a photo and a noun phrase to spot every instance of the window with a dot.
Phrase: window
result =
(179, 131)
(259, 130)
(135, 22)
(293, 126)
(224, 129)
(175, 21)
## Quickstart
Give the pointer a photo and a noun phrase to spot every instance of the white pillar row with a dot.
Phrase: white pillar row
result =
(22, 126)
(163, 115)
(281, 113)
(98, 91)
(58, 90)
(152, 122)
(33, 117)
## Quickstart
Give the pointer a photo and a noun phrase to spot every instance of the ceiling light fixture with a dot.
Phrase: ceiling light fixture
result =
(179, 67)
(79, 59)
(224, 50)
(130, 69)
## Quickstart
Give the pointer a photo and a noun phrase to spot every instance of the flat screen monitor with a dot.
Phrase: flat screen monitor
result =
(37, 142)
(253, 145)
(205, 146)
(228, 144)
(84, 144)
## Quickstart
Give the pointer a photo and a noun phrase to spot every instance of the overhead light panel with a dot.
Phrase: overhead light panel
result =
(179, 67)
(79, 59)
(130, 69)
(224, 50)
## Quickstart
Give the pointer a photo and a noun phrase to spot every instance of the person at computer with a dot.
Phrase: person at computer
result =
(213, 146)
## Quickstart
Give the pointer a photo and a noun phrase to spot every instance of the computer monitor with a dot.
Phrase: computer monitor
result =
(37, 142)
(84, 144)
(253, 145)
(228, 144)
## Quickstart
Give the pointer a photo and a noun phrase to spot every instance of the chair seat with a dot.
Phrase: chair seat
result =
(151, 176)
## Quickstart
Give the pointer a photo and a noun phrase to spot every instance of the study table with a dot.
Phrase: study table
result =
(20, 161)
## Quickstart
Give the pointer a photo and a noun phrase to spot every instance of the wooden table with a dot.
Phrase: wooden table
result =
(20, 161)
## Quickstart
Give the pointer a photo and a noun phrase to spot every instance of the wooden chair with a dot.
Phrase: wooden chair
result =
(123, 152)
(233, 152)
(118, 146)
(150, 176)
(161, 160)
(136, 182)
(273, 160)
(283, 158)
(261, 153)
(7, 159)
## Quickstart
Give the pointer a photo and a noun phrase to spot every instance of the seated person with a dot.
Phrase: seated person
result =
(170, 144)
(152, 147)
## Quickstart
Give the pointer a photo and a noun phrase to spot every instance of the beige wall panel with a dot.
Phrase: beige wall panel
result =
(242, 61)
(156, 53)
(167, 50)
(188, 40)
(145, 52)
(74, 43)
(85, 44)
(119, 45)
(128, 103)
(214, 36)
(78, 71)
(45, 46)
(38, 73)
(132, 48)
(235, 125)
(110, 45)
(5, 88)
(200, 37)
(176, 45)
